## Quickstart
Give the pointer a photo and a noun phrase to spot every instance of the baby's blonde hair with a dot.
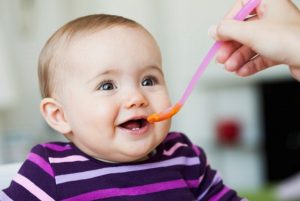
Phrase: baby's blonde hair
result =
(51, 57)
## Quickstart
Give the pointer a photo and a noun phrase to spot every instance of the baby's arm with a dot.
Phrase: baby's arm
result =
(34, 181)
(209, 182)
(211, 185)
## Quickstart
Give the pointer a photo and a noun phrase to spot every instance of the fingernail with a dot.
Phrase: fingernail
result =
(230, 65)
(212, 32)
(244, 71)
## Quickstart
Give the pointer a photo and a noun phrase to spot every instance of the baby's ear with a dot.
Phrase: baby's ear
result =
(53, 113)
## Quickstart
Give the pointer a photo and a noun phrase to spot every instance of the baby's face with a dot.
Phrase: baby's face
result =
(113, 81)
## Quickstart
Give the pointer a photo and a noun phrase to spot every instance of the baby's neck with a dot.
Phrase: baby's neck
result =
(106, 161)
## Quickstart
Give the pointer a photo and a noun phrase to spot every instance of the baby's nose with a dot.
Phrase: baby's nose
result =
(136, 99)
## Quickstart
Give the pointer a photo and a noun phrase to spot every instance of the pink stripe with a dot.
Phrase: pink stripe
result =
(217, 196)
(193, 183)
(5, 197)
(55, 147)
(39, 161)
(32, 188)
(174, 148)
(131, 191)
(73, 158)
(196, 149)
(201, 178)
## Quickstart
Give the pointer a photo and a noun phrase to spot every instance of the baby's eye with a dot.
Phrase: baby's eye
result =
(149, 81)
(107, 85)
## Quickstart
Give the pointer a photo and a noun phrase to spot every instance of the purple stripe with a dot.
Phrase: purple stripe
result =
(193, 183)
(217, 196)
(56, 147)
(187, 161)
(131, 191)
(196, 149)
(216, 179)
(39, 161)
(172, 136)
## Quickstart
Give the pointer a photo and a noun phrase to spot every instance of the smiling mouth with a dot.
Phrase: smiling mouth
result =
(134, 125)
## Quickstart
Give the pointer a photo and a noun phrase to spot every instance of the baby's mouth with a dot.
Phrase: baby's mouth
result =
(134, 125)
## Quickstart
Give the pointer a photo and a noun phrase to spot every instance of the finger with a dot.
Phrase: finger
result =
(235, 30)
(295, 72)
(220, 31)
(226, 50)
(239, 58)
(255, 65)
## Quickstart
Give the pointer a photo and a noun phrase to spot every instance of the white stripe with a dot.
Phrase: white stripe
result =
(32, 188)
(73, 158)
(216, 179)
(4, 197)
(187, 161)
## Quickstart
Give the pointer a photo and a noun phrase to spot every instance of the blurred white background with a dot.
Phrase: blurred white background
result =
(180, 28)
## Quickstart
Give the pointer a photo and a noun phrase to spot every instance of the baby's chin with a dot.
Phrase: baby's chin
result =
(136, 156)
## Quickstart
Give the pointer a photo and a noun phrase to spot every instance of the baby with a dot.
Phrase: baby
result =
(100, 77)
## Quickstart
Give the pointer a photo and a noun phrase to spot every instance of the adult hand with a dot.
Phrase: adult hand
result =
(268, 38)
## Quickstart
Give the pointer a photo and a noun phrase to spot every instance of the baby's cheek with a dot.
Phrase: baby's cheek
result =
(165, 99)
(164, 127)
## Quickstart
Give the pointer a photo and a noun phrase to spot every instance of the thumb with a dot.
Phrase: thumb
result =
(239, 31)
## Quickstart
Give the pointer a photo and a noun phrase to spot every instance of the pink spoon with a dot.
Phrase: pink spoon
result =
(169, 112)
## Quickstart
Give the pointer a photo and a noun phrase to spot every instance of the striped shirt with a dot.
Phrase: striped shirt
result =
(60, 171)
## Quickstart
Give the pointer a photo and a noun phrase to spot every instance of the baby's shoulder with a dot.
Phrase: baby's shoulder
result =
(174, 140)
(177, 137)
(52, 148)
